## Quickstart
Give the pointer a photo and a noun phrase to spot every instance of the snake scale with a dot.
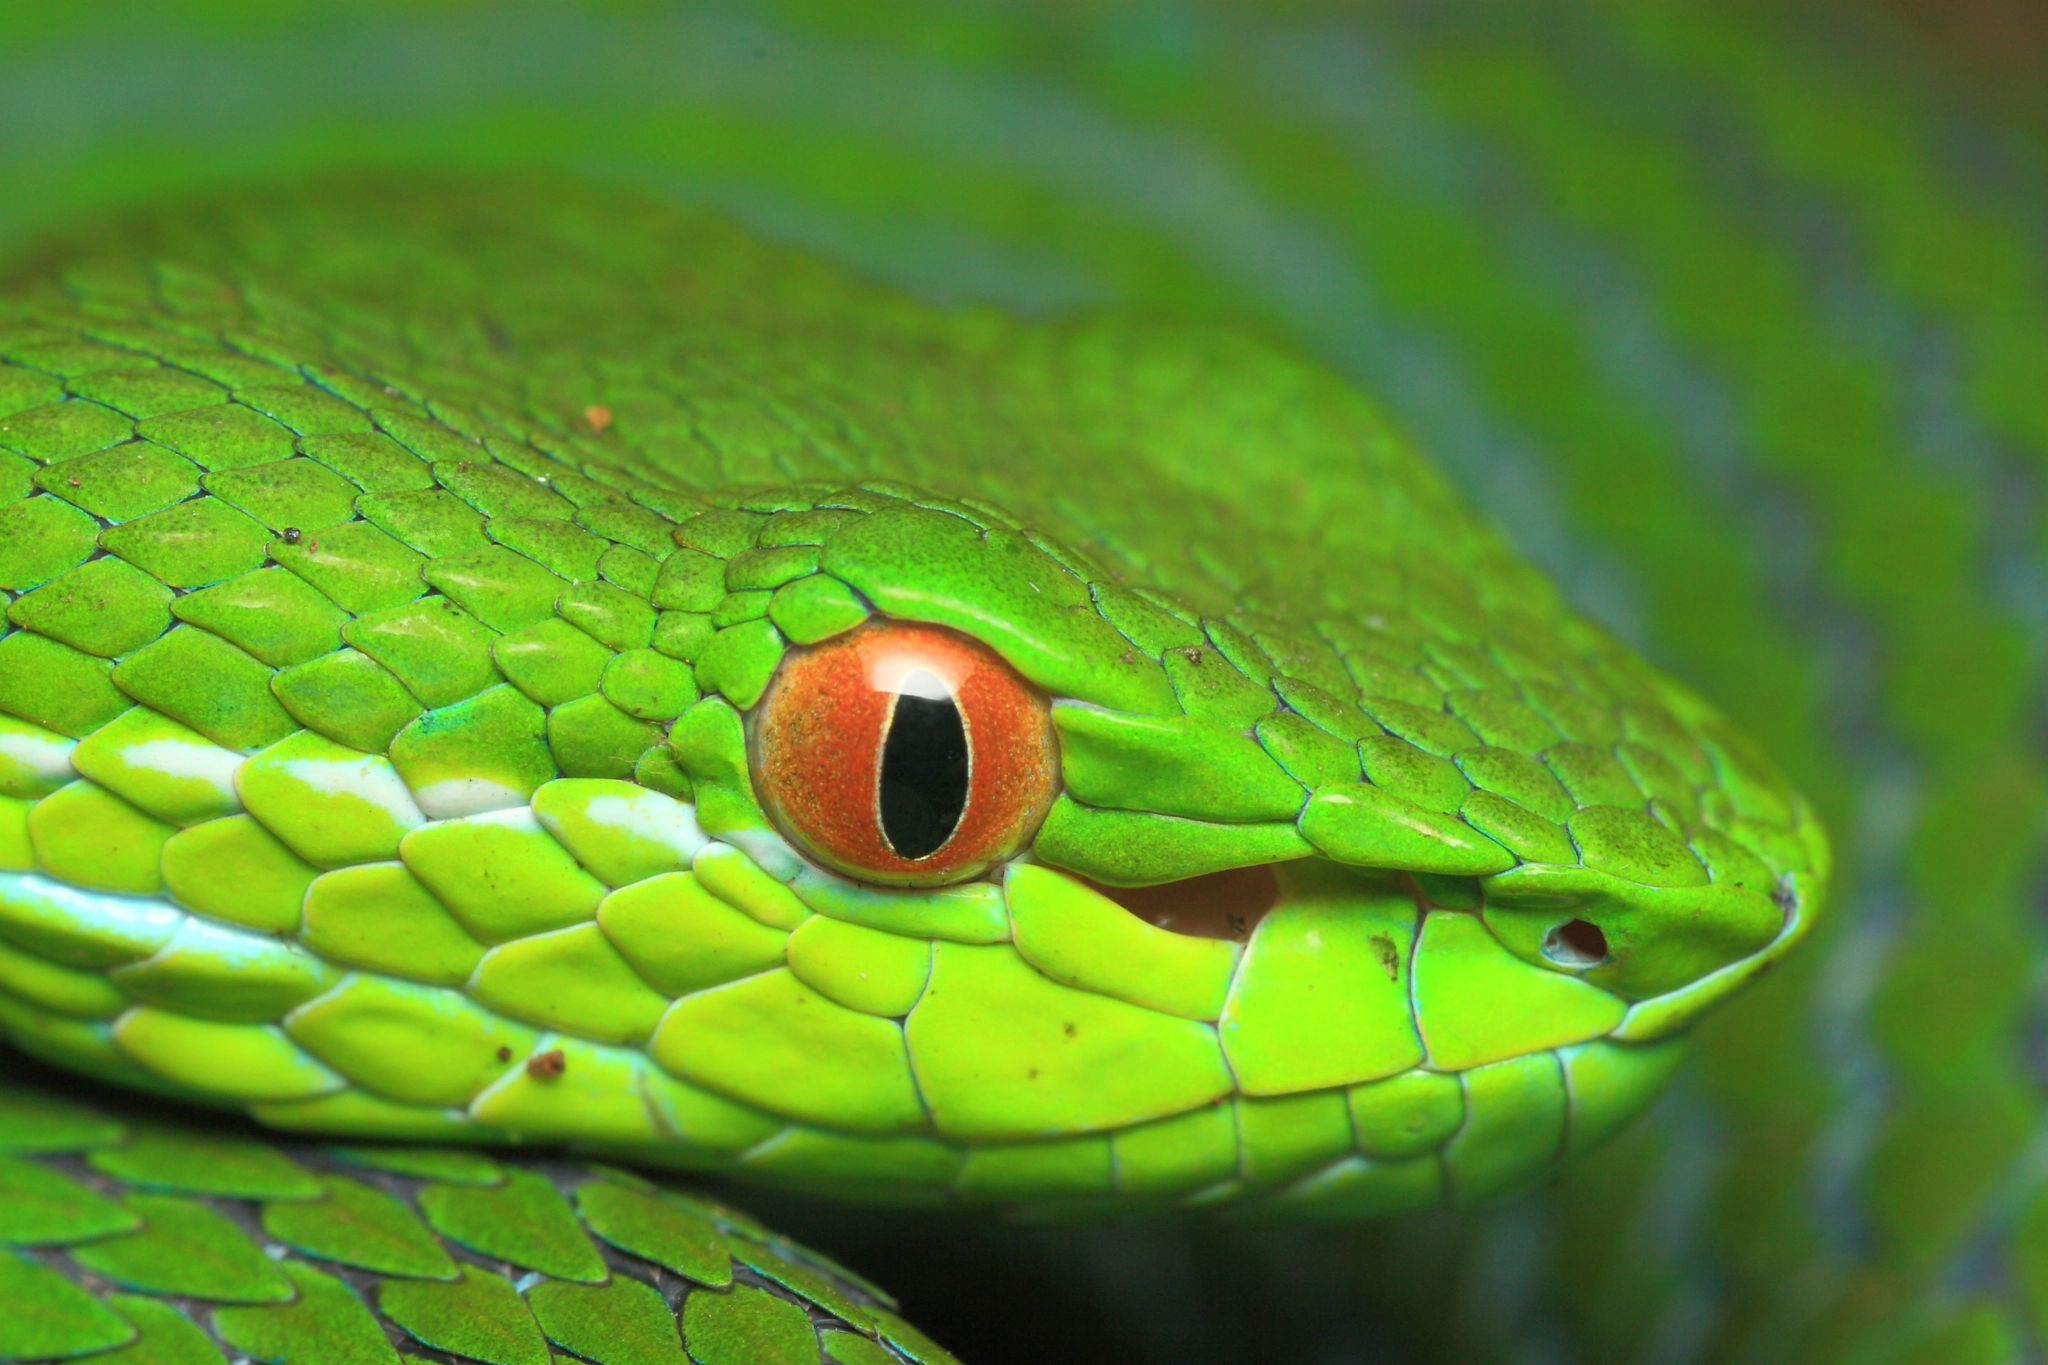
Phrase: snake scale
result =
(508, 658)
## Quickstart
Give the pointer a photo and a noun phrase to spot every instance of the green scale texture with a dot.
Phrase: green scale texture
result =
(376, 728)
(1729, 312)
(129, 1238)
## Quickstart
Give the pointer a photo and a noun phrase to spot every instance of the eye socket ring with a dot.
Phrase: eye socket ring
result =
(903, 754)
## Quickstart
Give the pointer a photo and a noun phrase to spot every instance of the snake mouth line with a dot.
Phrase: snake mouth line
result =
(1226, 905)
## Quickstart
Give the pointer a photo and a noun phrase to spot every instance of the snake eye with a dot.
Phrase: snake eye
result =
(903, 754)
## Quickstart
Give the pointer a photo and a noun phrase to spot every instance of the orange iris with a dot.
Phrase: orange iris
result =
(904, 754)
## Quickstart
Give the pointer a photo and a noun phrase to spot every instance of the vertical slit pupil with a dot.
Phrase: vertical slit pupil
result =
(924, 775)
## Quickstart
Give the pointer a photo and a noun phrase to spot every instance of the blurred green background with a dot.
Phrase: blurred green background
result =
(1732, 314)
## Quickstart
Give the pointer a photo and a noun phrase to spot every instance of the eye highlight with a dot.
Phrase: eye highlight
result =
(904, 754)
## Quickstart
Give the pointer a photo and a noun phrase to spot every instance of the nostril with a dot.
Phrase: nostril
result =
(1575, 943)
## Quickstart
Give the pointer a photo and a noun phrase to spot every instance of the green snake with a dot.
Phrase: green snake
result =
(725, 461)
(424, 601)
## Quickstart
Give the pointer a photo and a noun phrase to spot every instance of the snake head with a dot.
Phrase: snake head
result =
(1242, 922)
(410, 728)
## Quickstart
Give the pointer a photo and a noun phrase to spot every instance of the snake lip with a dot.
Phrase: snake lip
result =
(1226, 905)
